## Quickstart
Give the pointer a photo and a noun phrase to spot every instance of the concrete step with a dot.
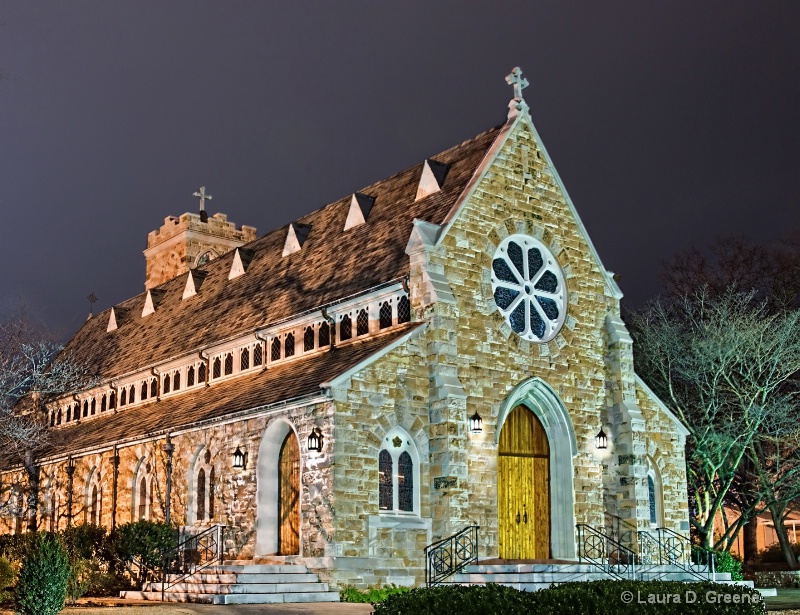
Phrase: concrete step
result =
(247, 578)
(256, 569)
(236, 588)
(171, 596)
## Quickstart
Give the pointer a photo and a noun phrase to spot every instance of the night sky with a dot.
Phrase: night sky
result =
(670, 123)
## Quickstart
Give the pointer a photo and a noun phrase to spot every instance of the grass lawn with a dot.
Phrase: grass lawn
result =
(787, 599)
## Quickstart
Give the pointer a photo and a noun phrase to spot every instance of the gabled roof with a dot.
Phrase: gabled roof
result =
(287, 381)
(331, 265)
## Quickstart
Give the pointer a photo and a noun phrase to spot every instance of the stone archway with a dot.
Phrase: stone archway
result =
(268, 488)
(540, 398)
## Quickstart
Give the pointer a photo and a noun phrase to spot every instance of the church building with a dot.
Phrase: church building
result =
(438, 350)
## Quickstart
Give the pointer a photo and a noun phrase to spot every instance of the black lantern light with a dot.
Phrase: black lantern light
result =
(601, 440)
(315, 440)
(476, 423)
(239, 459)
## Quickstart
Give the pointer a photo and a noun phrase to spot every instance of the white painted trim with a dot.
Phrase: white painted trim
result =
(189, 234)
(344, 376)
(681, 428)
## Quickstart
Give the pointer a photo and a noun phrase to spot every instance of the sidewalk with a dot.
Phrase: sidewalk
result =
(109, 606)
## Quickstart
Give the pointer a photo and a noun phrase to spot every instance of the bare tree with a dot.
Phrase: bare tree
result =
(32, 373)
(724, 365)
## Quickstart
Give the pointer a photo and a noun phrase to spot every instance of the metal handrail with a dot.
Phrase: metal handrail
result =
(451, 555)
(677, 550)
(191, 556)
(602, 551)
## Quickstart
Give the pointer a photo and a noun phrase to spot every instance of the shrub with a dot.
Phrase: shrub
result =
(85, 541)
(14, 546)
(42, 584)
(597, 597)
(773, 554)
(724, 561)
(371, 595)
(139, 546)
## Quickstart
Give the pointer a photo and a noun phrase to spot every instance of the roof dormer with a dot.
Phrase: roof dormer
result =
(295, 237)
(152, 300)
(432, 178)
(241, 261)
(360, 206)
(193, 282)
(115, 318)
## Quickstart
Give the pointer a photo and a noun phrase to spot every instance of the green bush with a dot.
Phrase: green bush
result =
(42, 584)
(774, 555)
(596, 597)
(85, 542)
(724, 561)
(139, 547)
(371, 595)
(14, 546)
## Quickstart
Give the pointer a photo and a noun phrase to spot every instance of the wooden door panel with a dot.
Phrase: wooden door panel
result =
(289, 497)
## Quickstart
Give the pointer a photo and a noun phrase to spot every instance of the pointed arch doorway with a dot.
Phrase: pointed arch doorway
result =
(289, 497)
(523, 487)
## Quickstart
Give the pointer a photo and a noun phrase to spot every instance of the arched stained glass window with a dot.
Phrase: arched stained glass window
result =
(324, 335)
(201, 495)
(212, 479)
(95, 511)
(345, 328)
(385, 492)
(651, 489)
(403, 310)
(405, 483)
(385, 315)
(143, 497)
(362, 323)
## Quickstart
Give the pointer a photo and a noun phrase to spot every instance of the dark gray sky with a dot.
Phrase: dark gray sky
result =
(669, 122)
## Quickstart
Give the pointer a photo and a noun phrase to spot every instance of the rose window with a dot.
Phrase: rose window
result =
(528, 288)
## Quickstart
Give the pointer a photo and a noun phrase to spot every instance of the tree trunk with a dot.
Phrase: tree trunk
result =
(777, 511)
(32, 470)
(750, 540)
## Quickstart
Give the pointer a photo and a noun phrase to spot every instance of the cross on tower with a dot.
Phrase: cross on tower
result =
(518, 81)
(201, 194)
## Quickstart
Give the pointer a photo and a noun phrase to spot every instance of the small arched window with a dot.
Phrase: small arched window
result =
(324, 335)
(228, 364)
(244, 359)
(405, 483)
(403, 310)
(362, 322)
(212, 479)
(93, 406)
(651, 491)
(275, 350)
(385, 315)
(143, 396)
(190, 376)
(112, 400)
(398, 474)
(143, 497)
(131, 394)
(123, 399)
(385, 490)
(216, 370)
(201, 373)
(345, 328)
(69, 413)
(58, 420)
(167, 383)
(288, 345)
(95, 510)
(86, 408)
(153, 387)
(176, 381)
(258, 355)
(308, 339)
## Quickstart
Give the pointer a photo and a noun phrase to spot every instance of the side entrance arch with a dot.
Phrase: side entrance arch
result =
(278, 491)
(536, 445)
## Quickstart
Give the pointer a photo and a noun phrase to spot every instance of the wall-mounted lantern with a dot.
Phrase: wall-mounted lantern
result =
(315, 440)
(601, 440)
(239, 459)
(476, 423)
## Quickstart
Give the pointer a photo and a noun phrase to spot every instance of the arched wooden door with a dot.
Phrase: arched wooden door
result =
(523, 487)
(289, 497)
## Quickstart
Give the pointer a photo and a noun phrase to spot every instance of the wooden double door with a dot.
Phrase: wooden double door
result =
(289, 497)
(523, 488)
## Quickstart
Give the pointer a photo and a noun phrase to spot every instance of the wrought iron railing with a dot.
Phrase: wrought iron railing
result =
(677, 551)
(451, 555)
(607, 554)
(192, 555)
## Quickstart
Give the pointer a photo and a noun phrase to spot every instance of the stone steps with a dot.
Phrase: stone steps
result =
(242, 583)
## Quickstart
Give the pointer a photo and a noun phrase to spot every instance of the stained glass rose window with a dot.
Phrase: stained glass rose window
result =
(529, 288)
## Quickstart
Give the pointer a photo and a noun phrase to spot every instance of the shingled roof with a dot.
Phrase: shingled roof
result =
(332, 264)
(292, 380)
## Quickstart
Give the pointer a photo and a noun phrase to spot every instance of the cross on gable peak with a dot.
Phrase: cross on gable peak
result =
(518, 81)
